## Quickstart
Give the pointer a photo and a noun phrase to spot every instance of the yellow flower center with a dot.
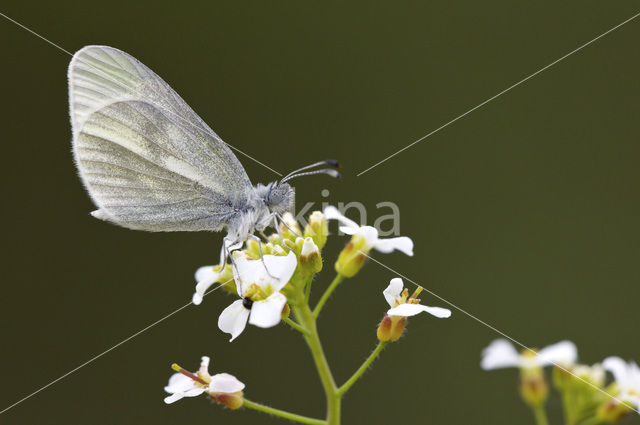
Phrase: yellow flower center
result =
(258, 293)
(404, 297)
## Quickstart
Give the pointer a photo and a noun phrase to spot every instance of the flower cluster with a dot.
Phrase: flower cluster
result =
(272, 280)
(258, 281)
(586, 396)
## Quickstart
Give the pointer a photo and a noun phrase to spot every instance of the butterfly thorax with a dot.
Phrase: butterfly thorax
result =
(259, 210)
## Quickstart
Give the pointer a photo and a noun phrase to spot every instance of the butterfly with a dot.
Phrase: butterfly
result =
(149, 162)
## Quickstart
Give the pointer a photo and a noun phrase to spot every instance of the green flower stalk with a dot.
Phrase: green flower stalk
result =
(534, 387)
(581, 389)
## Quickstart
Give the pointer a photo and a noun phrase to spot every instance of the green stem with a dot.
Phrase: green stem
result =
(307, 319)
(307, 292)
(296, 326)
(540, 414)
(358, 373)
(591, 421)
(336, 281)
(281, 413)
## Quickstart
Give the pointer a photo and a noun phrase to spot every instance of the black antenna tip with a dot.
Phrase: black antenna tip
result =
(333, 163)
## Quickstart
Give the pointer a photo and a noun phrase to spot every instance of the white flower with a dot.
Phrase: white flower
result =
(187, 384)
(205, 277)
(369, 234)
(627, 376)
(402, 305)
(501, 353)
(208, 275)
(261, 302)
(593, 374)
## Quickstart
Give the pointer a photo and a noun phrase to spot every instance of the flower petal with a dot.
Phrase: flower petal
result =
(266, 313)
(245, 271)
(348, 230)
(280, 269)
(173, 398)
(619, 369)
(403, 244)
(233, 319)
(179, 383)
(181, 386)
(309, 247)
(225, 383)
(413, 309)
(204, 367)
(207, 279)
(177, 396)
(205, 273)
(393, 290)
(564, 353)
(332, 213)
(635, 400)
(500, 353)
(370, 236)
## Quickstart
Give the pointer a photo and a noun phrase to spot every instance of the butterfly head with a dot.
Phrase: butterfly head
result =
(278, 197)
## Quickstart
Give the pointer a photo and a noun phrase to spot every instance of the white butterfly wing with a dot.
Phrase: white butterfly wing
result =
(147, 160)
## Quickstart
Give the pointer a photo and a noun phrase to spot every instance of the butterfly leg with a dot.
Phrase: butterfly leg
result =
(226, 254)
(257, 239)
(275, 224)
(285, 224)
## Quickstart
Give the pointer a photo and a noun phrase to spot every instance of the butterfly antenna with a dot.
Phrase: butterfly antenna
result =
(329, 171)
(331, 162)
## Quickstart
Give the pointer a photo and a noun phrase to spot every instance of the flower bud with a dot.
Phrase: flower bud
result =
(310, 258)
(354, 254)
(317, 229)
(391, 328)
(612, 411)
(274, 239)
(289, 229)
(286, 310)
(534, 387)
(231, 400)
(277, 250)
(397, 327)
(384, 329)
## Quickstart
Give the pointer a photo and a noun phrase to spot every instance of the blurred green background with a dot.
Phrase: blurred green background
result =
(525, 212)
